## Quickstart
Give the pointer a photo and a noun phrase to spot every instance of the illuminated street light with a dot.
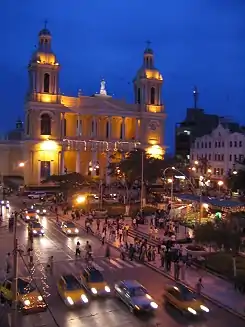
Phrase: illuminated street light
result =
(173, 168)
(81, 199)
(196, 162)
(193, 168)
(234, 172)
(21, 164)
(170, 180)
(220, 183)
(209, 171)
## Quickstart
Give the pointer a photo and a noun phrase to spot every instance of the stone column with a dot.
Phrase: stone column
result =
(62, 124)
(62, 162)
(137, 129)
(78, 161)
(94, 162)
(107, 175)
(123, 128)
(109, 127)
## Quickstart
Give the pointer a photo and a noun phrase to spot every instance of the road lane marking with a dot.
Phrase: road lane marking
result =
(124, 263)
(115, 264)
(108, 266)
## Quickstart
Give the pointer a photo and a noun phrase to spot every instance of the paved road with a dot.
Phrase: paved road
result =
(110, 312)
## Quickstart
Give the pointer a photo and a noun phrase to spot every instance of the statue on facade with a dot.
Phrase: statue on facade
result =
(102, 88)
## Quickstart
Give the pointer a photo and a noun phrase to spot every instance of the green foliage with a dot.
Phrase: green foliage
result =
(67, 181)
(236, 182)
(222, 234)
(131, 167)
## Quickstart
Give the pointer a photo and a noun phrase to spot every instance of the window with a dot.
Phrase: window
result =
(45, 124)
(45, 169)
(46, 82)
(93, 128)
(221, 171)
(235, 157)
(205, 145)
(121, 131)
(240, 144)
(230, 157)
(235, 144)
(230, 144)
(219, 145)
(138, 96)
(216, 144)
(107, 130)
(241, 157)
(209, 156)
(217, 171)
(64, 131)
(197, 145)
(209, 145)
(28, 124)
(222, 157)
(223, 144)
(153, 91)
(215, 157)
(202, 145)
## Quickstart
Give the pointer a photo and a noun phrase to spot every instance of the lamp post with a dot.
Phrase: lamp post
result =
(171, 180)
(220, 183)
(15, 276)
(142, 182)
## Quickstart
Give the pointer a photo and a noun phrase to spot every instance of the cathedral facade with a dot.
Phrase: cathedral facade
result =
(63, 134)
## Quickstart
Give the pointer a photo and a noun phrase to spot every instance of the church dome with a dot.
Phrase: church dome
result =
(148, 51)
(44, 32)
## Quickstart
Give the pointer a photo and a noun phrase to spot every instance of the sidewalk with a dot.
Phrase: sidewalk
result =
(217, 290)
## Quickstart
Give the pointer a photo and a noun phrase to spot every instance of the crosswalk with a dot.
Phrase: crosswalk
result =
(72, 266)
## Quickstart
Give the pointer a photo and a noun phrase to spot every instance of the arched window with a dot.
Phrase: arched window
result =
(45, 124)
(64, 127)
(107, 130)
(46, 82)
(28, 124)
(138, 95)
(92, 128)
(153, 95)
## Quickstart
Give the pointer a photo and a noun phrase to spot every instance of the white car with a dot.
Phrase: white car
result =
(36, 195)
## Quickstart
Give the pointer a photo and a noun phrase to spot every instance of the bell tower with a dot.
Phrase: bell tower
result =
(43, 67)
(148, 84)
(148, 96)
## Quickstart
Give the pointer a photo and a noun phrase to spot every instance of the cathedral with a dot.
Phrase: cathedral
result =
(63, 134)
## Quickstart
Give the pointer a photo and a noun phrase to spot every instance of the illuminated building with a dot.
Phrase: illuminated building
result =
(64, 134)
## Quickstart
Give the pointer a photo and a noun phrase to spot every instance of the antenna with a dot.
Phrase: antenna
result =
(195, 96)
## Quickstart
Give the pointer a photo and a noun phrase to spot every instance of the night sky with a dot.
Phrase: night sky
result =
(196, 42)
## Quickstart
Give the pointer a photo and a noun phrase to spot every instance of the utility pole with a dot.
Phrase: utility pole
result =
(142, 181)
(15, 277)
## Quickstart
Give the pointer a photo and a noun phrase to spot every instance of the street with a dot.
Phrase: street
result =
(109, 311)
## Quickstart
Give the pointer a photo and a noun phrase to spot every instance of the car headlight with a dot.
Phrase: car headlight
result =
(192, 311)
(84, 298)
(40, 298)
(68, 231)
(203, 308)
(27, 302)
(148, 296)
(7, 202)
(107, 289)
(27, 217)
(38, 211)
(44, 211)
(154, 305)
(69, 300)
(76, 230)
(34, 232)
(2, 202)
(42, 231)
(94, 290)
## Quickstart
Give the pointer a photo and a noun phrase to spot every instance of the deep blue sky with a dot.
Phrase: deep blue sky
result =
(198, 42)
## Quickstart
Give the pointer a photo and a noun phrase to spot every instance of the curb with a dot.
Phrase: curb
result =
(217, 303)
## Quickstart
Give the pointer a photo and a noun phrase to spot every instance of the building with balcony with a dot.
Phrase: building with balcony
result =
(79, 134)
(223, 149)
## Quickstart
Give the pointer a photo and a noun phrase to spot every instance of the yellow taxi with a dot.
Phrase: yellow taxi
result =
(183, 299)
(94, 282)
(30, 215)
(69, 228)
(29, 299)
(35, 228)
(71, 291)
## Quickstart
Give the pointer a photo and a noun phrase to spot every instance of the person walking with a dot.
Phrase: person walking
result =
(199, 287)
(107, 252)
(78, 251)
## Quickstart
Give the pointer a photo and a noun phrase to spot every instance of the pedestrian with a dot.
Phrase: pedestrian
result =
(199, 286)
(108, 252)
(131, 252)
(78, 251)
(8, 263)
(103, 237)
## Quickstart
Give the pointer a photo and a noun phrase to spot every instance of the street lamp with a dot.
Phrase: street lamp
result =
(171, 180)
(21, 164)
(220, 183)
(196, 162)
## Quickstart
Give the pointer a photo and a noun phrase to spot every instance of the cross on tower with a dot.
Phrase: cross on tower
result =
(148, 44)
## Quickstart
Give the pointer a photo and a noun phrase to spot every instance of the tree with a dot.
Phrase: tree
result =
(130, 168)
(224, 234)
